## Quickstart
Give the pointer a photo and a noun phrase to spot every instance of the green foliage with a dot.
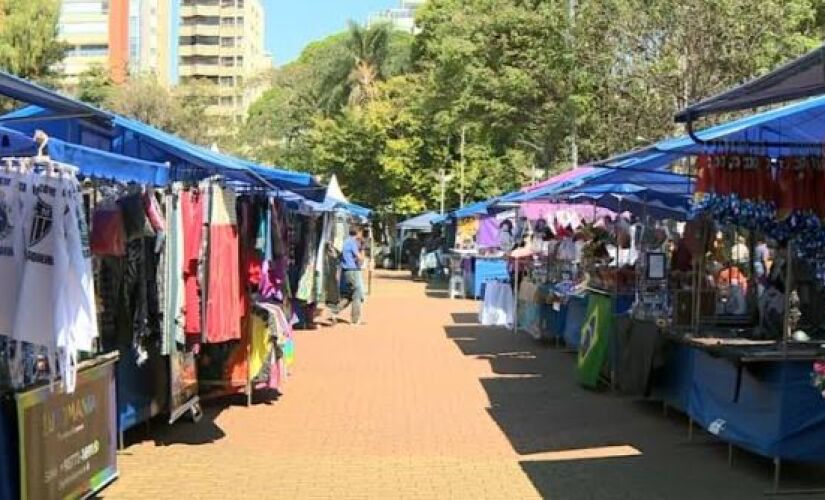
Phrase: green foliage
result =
(95, 86)
(181, 112)
(523, 79)
(28, 38)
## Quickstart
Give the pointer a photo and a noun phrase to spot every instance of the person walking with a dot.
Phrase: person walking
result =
(351, 262)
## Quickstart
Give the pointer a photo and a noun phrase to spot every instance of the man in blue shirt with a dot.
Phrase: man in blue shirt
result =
(351, 261)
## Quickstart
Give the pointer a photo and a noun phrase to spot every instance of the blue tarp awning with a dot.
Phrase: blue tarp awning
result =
(474, 209)
(32, 93)
(91, 162)
(132, 138)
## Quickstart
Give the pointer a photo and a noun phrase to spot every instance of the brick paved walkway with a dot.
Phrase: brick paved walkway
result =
(422, 403)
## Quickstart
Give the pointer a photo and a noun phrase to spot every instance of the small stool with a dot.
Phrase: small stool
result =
(456, 286)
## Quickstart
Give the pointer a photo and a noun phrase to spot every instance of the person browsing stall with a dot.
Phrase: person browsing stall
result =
(351, 262)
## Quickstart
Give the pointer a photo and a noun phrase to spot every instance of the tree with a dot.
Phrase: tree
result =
(316, 84)
(28, 38)
(94, 85)
(181, 112)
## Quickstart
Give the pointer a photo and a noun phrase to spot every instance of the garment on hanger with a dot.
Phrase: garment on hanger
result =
(223, 311)
(306, 284)
(191, 207)
(174, 296)
(13, 182)
(56, 272)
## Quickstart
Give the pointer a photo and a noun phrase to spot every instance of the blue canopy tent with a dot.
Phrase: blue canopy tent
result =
(135, 139)
(618, 189)
(423, 222)
(91, 162)
(62, 106)
(474, 209)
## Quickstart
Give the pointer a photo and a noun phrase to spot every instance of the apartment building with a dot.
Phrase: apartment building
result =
(124, 36)
(84, 27)
(401, 17)
(222, 42)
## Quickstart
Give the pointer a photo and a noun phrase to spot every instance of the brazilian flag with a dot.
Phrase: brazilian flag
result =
(594, 338)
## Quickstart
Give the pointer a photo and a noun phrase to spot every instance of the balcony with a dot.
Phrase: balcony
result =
(200, 10)
(199, 70)
(199, 50)
(201, 30)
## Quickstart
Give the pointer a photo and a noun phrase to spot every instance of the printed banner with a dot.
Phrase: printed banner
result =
(68, 442)
(594, 338)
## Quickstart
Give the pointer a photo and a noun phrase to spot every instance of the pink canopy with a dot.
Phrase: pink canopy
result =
(544, 210)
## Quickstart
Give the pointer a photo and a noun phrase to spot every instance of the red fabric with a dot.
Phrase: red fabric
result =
(818, 185)
(749, 183)
(786, 186)
(108, 236)
(766, 188)
(806, 182)
(734, 172)
(704, 182)
(223, 307)
(191, 204)
(721, 179)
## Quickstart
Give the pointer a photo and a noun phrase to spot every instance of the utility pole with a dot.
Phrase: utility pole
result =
(443, 188)
(574, 147)
(461, 184)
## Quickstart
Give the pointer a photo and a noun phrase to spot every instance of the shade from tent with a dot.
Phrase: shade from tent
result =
(803, 77)
(423, 222)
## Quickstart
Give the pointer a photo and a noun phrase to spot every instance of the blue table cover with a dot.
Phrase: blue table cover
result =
(776, 412)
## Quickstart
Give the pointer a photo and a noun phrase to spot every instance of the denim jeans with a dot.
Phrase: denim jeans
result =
(353, 278)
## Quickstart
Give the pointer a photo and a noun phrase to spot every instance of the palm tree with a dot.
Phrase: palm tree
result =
(368, 48)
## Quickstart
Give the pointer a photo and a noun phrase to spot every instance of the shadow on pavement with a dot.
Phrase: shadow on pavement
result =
(465, 318)
(559, 430)
(185, 431)
(437, 290)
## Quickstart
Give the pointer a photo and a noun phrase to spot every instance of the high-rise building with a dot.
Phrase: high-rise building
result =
(222, 42)
(150, 38)
(123, 36)
(401, 17)
(84, 27)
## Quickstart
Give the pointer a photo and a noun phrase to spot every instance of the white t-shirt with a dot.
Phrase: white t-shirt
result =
(12, 184)
(56, 307)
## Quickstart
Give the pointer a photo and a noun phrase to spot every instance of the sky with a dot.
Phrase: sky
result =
(292, 24)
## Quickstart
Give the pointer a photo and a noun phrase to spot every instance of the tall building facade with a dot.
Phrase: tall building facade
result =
(222, 42)
(401, 17)
(123, 36)
(84, 27)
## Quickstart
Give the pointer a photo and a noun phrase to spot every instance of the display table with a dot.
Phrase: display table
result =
(753, 394)
(576, 309)
(497, 307)
(479, 270)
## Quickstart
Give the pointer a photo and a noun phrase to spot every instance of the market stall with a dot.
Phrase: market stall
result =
(190, 291)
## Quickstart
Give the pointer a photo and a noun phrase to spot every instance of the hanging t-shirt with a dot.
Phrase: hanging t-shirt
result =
(57, 272)
(12, 184)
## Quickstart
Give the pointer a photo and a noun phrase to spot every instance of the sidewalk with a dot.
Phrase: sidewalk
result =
(423, 403)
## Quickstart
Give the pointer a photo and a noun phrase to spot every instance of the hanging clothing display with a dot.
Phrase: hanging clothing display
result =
(56, 271)
(223, 311)
(13, 182)
(174, 303)
(306, 284)
(191, 207)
